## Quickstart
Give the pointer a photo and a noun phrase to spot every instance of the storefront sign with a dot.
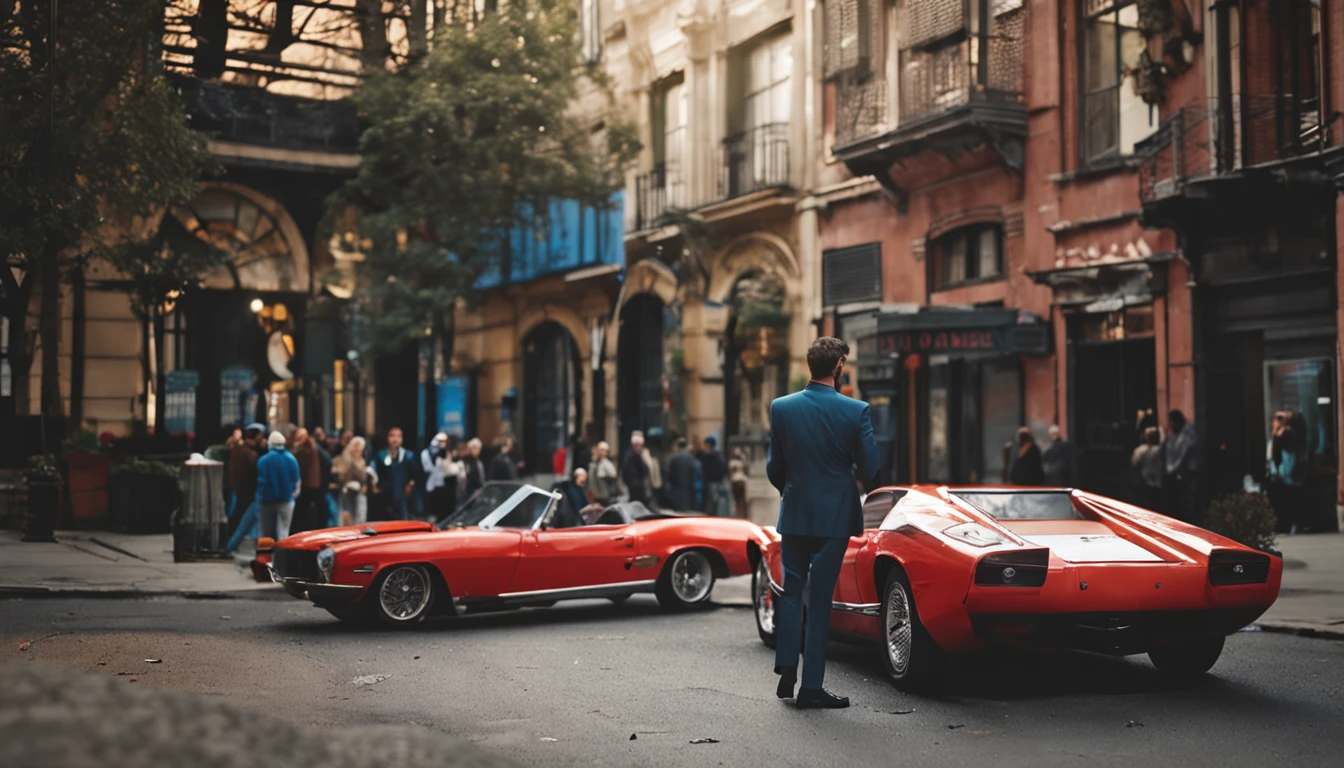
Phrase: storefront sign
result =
(941, 342)
(452, 401)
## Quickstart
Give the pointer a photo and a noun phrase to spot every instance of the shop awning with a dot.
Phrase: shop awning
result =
(1107, 287)
(963, 332)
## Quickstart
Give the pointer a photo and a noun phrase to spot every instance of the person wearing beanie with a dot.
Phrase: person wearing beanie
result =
(277, 487)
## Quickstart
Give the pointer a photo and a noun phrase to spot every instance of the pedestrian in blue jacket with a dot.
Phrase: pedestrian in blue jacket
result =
(277, 487)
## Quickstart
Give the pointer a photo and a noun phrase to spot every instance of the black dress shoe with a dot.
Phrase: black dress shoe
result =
(820, 698)
(788, 677)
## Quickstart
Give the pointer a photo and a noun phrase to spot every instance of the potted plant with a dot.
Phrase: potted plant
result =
(143, 495)
(44, 498)
(88, 462)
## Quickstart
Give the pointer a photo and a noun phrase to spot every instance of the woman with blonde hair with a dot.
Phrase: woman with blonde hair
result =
(604, 482)
(350, 473)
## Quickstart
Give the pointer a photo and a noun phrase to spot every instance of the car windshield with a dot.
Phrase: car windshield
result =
(1023, 505)
(481, 504)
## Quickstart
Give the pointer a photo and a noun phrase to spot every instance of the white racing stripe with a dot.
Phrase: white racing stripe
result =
(1099, 548)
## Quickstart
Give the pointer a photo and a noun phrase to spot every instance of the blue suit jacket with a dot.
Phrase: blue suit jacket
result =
(817, 437)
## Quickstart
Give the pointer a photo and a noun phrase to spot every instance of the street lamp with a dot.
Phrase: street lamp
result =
(257, 305)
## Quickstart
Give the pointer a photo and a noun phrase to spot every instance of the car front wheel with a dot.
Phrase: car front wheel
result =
(1188, 660)
(403, 595)
(913, 660)
(686, 580)
(763, 603)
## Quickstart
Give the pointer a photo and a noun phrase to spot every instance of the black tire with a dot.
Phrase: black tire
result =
(1188, 660)
(403, 595)
(763, 604)
(618, 599)
(922, 665)
(686, 581)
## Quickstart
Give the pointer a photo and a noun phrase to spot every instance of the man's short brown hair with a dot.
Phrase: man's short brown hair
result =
(824, 354)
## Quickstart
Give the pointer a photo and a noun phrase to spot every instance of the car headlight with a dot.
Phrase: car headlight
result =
(975, 534)
(326, 563)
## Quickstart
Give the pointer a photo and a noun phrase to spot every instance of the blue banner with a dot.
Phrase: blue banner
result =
(452, 400)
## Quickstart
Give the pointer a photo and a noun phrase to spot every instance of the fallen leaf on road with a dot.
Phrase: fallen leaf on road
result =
(955, 727)
(985, 732)
(704, 741)
(132, 680)
(549, 738)
(417, 658)
(102, 663)
(1133, 724)
(153, 661)
(633, 736)
(369, 679)
(25, 646)
(226, 618)
(902, 711)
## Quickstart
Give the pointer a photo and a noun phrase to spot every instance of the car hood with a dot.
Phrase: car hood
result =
(321, 538)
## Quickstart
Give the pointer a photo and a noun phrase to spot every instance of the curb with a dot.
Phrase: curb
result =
(1319, 633)
(12, 592)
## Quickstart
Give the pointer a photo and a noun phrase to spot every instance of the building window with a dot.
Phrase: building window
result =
(755, 154)
(968, 254)
(1114, 116)
(590, 31)
(670, 117)
(1129, 323)
(851, 275)
(768, 68)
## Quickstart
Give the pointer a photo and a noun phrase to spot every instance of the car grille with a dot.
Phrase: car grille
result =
(295, 564)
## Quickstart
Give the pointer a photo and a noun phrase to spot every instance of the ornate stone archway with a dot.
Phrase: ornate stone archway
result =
(267, 250)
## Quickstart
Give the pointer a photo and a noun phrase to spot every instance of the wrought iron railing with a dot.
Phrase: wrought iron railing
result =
(967, 67)
(254, 116)
(754, 160)
(657, 193)
(1203, 141)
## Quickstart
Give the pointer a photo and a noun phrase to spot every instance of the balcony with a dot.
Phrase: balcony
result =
(657, 193)
(753, 161)
(960, 95)
(250, 115)
(1199, 144)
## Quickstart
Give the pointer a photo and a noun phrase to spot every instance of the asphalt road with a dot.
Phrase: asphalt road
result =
(571, 685)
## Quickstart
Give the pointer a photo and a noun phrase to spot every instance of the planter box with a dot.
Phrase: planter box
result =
(143, 503)
(88, 488)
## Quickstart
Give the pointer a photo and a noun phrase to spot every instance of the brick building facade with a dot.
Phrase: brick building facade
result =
(1085, 213)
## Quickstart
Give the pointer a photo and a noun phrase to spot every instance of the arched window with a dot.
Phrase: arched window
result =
(969, 254)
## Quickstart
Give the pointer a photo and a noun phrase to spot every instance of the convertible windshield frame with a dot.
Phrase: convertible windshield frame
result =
(975, 498)
(503, 508)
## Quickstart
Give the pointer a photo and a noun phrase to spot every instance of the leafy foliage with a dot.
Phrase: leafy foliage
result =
(476, 137)
(41, 469)
(95, 137)
(1246, 518)
(145, 467)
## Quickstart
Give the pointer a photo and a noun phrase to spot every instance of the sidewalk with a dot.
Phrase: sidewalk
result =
(106, 564)
(1311, 600)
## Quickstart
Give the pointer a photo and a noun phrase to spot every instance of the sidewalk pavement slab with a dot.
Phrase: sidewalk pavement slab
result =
(1311, 600)
(117, 565)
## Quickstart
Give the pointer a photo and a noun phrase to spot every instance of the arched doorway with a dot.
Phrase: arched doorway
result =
(639, 366)
(552, 393)
(755, 355)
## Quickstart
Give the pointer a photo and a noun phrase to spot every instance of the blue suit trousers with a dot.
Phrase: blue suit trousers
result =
(820, 556)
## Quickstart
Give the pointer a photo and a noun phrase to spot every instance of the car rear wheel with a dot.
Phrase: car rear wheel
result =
(686, 580)
(403, 595)
(1188, 660)
(913, 661)
(763, 603)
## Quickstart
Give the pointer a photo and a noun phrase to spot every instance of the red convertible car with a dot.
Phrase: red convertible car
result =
(942, 571)
(511, 545)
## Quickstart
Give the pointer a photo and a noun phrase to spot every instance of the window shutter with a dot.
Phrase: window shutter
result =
(852, 275)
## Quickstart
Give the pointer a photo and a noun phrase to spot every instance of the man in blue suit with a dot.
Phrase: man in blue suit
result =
(821, 442)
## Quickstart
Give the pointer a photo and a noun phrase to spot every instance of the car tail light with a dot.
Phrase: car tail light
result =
(1016, 568)
(1229, 566)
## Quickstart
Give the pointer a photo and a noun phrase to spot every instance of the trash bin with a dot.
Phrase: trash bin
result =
(201, 527)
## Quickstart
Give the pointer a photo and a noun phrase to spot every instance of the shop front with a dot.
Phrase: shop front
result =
(946, 386)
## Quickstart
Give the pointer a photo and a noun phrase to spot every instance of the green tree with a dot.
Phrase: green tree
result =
(93, 137)
(472, 138)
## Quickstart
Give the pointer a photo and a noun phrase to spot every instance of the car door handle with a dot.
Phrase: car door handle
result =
(618, 538)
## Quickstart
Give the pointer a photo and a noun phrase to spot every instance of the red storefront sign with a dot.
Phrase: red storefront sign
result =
(941, 342)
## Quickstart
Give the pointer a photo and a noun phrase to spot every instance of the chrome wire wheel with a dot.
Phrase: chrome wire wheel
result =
(405, 593)
(899, 631)
(692, 577)
(764, 599)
